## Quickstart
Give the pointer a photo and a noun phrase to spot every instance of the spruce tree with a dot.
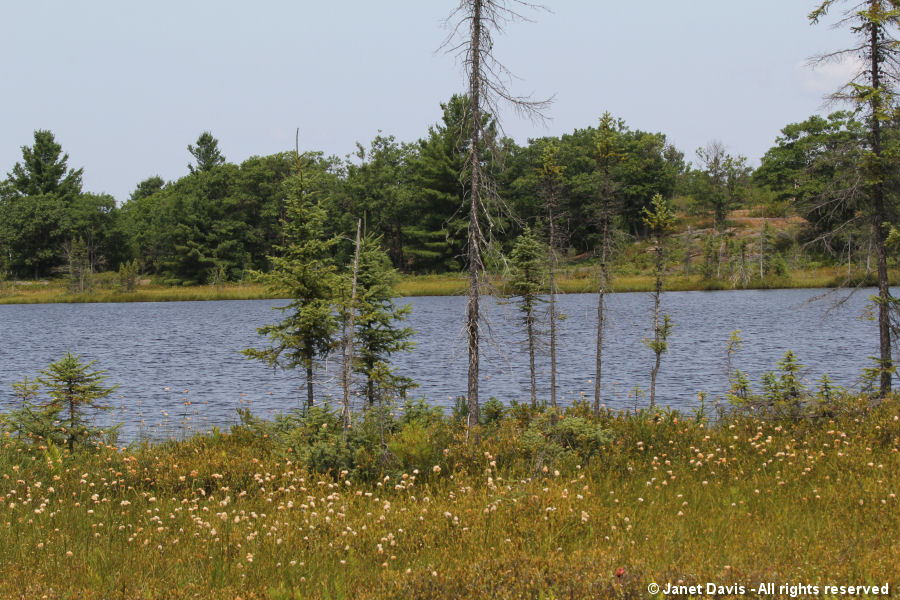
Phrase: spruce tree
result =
(528, 264)
(304, 272)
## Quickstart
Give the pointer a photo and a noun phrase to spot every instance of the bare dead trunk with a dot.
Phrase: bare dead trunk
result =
(599, 363)
(472, 310)
(762, 250)
(552, 309)
(687, 253)
(850, 255)
(530, 328)
(869, 256)
(348, 358)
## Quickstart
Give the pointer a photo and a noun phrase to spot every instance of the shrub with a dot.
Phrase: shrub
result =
(73, 392)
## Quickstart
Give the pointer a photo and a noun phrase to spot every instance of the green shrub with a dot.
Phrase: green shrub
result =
(492, 412)
(73, 393)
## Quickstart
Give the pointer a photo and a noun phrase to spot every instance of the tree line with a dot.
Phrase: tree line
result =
(222, 220)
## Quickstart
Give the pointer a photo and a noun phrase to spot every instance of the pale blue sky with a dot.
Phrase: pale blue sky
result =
(126, 86)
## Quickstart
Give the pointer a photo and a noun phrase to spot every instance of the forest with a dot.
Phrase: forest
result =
(221, 220)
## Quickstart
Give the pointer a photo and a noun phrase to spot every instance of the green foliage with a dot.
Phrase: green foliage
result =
(74, 391)
(551, 438)
(659, 344)
(871, 375)
(228, 216)
(128, 276)
(774, 262)
(527, 266)
(79, 266)
(659, 217)
(722, 185)
(435, 229)
(814, 166)
(44, 170)
(379, 330)
(305, 273)
(206, 153)
(785, 397)
(492, 412)
(34, 204)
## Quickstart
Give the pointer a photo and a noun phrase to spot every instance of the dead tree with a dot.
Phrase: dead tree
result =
(873, 90)
(473, 25)
(608, 154)
(551, 190)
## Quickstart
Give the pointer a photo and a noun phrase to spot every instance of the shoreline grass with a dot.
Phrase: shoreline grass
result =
(662, 498)
(579, 280)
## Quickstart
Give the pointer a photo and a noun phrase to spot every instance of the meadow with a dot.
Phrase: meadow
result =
(409, 504)
(575, 279)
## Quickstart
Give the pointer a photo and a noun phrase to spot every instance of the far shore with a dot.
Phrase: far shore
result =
(572, 282)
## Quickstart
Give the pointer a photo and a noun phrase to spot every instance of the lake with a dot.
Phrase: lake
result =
(179, 368)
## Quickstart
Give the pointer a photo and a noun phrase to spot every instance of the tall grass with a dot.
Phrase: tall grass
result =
(56, 292)
(535, 510)
(575, 280)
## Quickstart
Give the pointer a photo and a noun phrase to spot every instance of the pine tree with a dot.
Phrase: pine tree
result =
(206, 153)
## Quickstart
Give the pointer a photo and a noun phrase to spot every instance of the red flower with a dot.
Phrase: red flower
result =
(620, 571)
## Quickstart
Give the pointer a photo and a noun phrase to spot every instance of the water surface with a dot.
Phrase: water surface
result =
(165, 355)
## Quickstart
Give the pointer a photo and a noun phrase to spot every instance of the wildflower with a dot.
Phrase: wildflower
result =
(436, 468)
(620, 571)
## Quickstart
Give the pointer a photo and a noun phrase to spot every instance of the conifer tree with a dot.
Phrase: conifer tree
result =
(660, 219)
(527, 260)
(73, 391)
(304, 272)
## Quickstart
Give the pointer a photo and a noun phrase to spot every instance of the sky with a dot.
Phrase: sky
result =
(126, 86)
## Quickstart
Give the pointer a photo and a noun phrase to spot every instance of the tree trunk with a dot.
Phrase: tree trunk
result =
(348, 359)
(552, 309)
(762, 250)
(529, 323)
(879, 215)
(656, 340)
(309, 384)
(599, 362)
(869, 255)
(70, 430)
(687, 253)
(474, 234)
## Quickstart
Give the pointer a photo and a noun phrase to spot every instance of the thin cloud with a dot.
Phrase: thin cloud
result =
(826, 77)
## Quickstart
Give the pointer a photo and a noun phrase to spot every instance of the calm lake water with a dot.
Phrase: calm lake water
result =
(179, 368)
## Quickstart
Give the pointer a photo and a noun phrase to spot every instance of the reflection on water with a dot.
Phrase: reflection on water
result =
(179, 367)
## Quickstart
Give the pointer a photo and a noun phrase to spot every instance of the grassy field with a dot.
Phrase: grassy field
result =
(574, 280)
(570, 507)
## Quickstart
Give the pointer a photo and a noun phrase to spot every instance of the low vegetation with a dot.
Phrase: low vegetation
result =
(793, 485)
